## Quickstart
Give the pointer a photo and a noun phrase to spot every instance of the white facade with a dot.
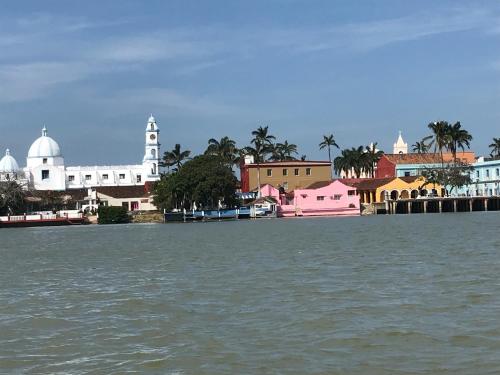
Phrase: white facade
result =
(45, 168)
(400, 147)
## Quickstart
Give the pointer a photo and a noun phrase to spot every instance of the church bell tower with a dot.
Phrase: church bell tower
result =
(151, 159)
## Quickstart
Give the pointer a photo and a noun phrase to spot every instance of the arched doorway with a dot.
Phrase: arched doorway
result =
(382, 196)
(414, 194)
(394, 195)
(404, 195)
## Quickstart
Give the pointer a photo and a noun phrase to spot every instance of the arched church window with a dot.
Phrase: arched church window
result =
(153, 153)
(154, 168)
(152, 127)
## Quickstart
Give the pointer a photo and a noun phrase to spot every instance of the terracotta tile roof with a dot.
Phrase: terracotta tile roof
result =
(123, 191)
(319, 184)
(367, 183)
(291, 163)
(431, 158)
(409, 179)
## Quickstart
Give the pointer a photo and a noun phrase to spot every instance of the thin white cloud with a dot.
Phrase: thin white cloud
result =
(167, 101)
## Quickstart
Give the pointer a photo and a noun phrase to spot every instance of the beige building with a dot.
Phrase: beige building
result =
(289, 175)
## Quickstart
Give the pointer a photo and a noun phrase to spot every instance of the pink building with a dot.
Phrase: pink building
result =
(321, 199)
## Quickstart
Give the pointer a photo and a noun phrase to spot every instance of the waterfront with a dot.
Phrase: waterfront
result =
(414, 294)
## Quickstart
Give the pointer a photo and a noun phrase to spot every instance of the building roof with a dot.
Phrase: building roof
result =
(44, 147)
(367, 183)
(134, 191)
(8, 164)
(291, 163)
(431, 158)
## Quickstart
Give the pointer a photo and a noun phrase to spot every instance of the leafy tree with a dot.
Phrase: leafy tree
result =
(283, 151)
(112, 215)
(452, 176)
(424, 145)
(495, 148)
(371, 156)
(262, 145)
(176, 157)
(205, 180)
(11, 198)
(328, 142)
(441, 136)
(225, 148)
(458, 138)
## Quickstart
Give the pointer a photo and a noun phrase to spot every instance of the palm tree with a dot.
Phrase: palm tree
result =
(283, 151)
(263, 144)
(354, 160)
(441, 136)
(458, 138)
(423, 146)
(372, 156)
(495, 148)
(12, 197)
(175, 157)
(328, 142)
(225, 149)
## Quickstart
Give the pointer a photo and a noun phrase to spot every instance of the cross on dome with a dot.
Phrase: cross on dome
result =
(7, 152)
(44, 131)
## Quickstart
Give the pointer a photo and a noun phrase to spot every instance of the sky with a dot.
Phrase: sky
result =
(93, 71)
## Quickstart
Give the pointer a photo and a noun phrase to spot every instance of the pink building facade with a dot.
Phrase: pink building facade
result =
(333, 199)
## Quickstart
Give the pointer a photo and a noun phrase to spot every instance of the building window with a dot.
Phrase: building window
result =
(269, 172)
(337, 197)
(88, 177)
(308, 171)
(285, 172)
(105, 176)
(497, 172)
(71, 178)
(153, 153)
(296, 171)
(487, 173)
(477, 174)
(320, 198)
(351, 192)
(122, 176)
(44, 161)
(407, 174)
(45, 174)
(139, 178)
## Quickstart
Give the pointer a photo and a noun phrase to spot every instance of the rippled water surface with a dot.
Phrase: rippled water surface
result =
(377, 295)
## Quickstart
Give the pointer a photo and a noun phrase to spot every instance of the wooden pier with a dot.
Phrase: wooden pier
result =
(440, 205)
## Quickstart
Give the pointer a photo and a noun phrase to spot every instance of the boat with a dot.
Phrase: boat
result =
(43, 220)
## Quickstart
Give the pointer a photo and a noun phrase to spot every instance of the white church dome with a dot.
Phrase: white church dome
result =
(44, 147)
(8, 164)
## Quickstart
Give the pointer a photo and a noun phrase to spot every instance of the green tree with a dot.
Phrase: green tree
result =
(12, 197)
(204, 180)
(372, 157)
(452, 176)
(112, 215)
(495, 148)
(458, 138)
(224, 148)
(283, 151)
(262, 143)
(176, 157)
(424, 145)
(441, 136)
(329, 142)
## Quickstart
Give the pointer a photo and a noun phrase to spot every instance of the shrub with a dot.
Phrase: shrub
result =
(112, 215)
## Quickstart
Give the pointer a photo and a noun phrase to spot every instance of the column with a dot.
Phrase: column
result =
(425, 207)
(409, 207)
(471, 201)
(440, 207)
(486, 205)
(454, 205)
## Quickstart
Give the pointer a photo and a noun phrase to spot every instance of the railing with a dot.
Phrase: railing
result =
(37, 217)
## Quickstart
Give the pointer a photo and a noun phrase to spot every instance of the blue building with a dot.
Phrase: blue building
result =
(485, 178)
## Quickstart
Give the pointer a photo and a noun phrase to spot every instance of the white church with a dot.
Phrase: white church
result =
(46, 170)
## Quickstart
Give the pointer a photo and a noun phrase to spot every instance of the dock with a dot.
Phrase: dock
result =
(439, 205)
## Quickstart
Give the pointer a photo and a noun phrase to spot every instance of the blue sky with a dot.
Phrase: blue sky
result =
(93, 71)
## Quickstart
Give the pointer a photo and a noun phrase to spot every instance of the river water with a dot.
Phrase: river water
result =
(414, 294)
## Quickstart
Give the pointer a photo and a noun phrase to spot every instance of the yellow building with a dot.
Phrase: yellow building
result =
(377, 190)
(289, 175)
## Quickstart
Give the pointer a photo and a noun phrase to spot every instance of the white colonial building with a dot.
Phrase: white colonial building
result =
(400, 147)
(46, 170)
